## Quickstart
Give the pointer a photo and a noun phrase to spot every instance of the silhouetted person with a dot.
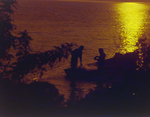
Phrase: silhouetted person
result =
(77, 53)
(100, 59)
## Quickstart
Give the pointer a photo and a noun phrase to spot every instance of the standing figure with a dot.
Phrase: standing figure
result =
(77, 53)
(100, 59)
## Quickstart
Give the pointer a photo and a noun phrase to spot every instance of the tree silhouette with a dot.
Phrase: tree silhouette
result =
(144, 53)
(17, 60)
(22, 61)
(7, 39)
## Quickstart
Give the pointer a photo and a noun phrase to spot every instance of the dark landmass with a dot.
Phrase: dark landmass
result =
(121, 91)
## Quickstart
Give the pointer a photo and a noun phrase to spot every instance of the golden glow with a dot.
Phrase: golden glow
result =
(35, 79)
(131, 19)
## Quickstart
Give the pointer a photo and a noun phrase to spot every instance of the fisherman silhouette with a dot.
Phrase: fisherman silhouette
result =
(100, 59)
(77, 53)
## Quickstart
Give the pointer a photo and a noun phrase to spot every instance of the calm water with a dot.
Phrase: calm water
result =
(115, 27)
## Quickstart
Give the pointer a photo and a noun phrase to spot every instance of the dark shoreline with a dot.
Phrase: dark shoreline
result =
(123, 91)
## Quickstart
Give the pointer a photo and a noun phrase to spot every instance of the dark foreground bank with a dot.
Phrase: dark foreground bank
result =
(122, 90)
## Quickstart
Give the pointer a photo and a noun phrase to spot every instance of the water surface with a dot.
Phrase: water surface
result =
(115, 27)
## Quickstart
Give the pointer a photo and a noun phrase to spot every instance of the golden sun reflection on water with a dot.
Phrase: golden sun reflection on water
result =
(131, 18)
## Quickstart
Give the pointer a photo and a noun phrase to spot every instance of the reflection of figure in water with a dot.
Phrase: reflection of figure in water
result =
(100, 59)
(77, 53)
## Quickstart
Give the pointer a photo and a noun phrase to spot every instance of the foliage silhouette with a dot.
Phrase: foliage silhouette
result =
(144, 53)
(9, 41)
(15, 66)
(32, 62)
